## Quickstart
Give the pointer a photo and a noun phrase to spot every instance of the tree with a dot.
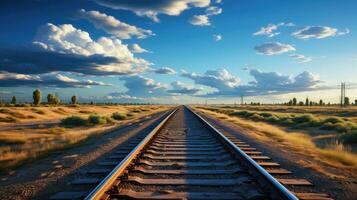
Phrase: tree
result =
(36, 97)
(347, 101)
(355, 102)
(307, 102)
(74, 99)
(290, 103)
(53, 99)
(301, 103)
(294, 101)
(50, 98)
(321, 102)
(13, 100)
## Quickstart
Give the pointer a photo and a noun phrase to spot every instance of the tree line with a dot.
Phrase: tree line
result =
(52, 99)
(294, 102)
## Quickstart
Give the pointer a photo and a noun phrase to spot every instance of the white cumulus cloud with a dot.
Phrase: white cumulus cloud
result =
(213, 10)
(200, 20)
(217, 37)
(66, 39)
(301, 58)
(273, 48)
(135, 48)
(318, 32)
(113, 26)
(152, 9)
(164, 70)
(270, 29)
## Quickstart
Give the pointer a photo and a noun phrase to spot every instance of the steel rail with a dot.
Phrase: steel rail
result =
(108, 181)
(281, 191)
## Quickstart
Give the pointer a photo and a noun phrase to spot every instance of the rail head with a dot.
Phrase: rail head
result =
(283, 192)
(108, 181)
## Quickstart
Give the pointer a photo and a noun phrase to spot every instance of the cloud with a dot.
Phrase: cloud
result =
(182, 88)
(213, 10)
(122, 97)
(164, 70)
(270, 29)
(318, 32)
(217, 37)
(300, 58)
(273, 48)
(113, 26)
(140, 86)
(65, 48)
(219, 79)
(200, 20)
(135, 48)
(265, 83)
(46, 80)
(152, 9)
(218, 1)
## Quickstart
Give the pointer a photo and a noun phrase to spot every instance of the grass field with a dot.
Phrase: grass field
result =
(72, 125)
(329, 136)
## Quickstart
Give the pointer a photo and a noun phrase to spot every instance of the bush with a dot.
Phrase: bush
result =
(74, 121)
(349, 138)
(332, 120)
(96, 119)
(256, 116)
(303, 118)
(273, 119)
(266, 114)
(119, 116)
(287, 122)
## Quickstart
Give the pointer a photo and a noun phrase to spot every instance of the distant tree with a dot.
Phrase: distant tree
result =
(92, 103)
(13, 100)
(347, 101)
(50, 98)
(290, 103)
(74, 99)
(36, 97)
(321, 102)
(311, 103)
(355, 102)
(301, 103)
(53, 99)
(307, 102)
(294, 101)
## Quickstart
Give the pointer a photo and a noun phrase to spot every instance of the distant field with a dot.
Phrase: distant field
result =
(329, 130)
(30, 132)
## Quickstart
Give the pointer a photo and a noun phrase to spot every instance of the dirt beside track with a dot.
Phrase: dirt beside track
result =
(44, 177)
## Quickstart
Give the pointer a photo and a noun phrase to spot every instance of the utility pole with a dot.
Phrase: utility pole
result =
(343, 93)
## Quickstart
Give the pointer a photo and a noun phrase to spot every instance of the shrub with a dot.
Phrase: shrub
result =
(266, 114)
(349, 138)
(256, 116)
(96, 119)
(129, 114)
(332, 120)
(303, 118)
(273, 119)
(119, 116)
(287, 122)
(74, 121)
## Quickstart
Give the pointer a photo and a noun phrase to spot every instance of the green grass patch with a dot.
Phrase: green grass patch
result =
(119, 116)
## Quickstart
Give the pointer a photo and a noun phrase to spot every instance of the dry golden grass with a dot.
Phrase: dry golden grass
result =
(10, 115)
(20, 145)
(297, 141)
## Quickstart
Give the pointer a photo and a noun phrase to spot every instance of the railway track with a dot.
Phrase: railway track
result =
(185, 157)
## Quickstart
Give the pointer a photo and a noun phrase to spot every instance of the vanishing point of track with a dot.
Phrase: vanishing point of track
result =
(185, 157)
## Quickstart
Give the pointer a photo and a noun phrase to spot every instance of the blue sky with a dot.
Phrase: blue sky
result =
(185, 51)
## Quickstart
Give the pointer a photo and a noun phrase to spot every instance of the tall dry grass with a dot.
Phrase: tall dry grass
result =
(300, 142)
